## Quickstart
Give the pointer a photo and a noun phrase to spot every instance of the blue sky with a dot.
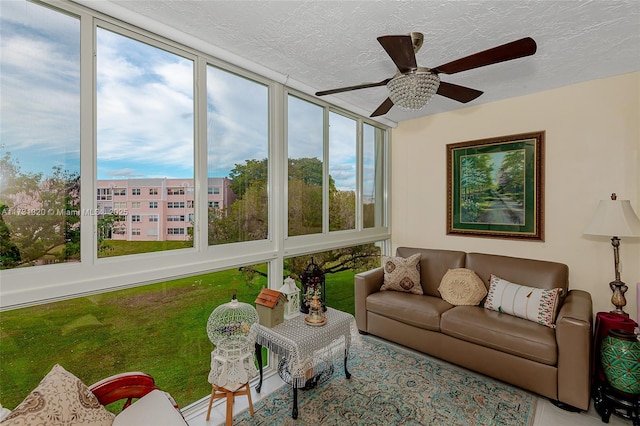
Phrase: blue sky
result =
(145, 122)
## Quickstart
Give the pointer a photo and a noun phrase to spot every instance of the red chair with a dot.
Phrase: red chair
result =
(139, 386)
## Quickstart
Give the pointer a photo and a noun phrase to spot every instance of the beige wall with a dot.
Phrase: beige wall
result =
(592, 149)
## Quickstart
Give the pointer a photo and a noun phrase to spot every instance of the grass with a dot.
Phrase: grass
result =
(159, 329)
(120, 247)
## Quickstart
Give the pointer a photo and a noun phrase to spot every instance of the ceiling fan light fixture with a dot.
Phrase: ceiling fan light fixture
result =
(412, 91)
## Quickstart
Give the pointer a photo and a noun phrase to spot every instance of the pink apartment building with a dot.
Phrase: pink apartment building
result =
(157, 209)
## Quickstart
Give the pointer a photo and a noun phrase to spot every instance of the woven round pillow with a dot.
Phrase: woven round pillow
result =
(462, 286)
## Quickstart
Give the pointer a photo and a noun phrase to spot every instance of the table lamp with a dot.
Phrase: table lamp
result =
(615, 218)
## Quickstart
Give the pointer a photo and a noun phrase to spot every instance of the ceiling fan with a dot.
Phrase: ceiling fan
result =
(412, 87)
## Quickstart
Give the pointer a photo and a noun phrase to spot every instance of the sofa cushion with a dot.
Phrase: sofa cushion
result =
(417, 310)
(402, 274)
(154, 408)
(434, 264)
(60, 399)
(501, 332)
(534, 304)
(533, 273)
(461, 286)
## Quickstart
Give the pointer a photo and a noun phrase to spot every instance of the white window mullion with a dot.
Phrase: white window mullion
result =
(200, 231)
(325, 172)
(88, 187)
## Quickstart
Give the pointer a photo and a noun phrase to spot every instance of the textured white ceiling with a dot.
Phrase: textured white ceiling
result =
(328, 44)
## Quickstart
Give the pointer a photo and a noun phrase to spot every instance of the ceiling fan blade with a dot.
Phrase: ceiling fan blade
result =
(458, 93)
(400, 49)
(506, 52)
(383, 108)
(359, 86)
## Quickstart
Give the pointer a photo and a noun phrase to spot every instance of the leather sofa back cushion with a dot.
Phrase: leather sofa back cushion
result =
(433, 265)
(532, 273)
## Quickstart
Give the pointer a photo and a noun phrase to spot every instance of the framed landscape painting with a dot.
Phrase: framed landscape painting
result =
(495, 187)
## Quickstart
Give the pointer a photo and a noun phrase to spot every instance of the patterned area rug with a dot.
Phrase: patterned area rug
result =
(394, 386)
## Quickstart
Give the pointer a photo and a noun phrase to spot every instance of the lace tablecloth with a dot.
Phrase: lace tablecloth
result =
(305, 346)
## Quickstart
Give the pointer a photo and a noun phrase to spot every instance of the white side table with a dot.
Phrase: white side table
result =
(306, 348)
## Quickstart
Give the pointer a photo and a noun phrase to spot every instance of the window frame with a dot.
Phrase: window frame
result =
(42, 284)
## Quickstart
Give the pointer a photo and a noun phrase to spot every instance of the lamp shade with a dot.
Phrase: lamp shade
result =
(614, 218)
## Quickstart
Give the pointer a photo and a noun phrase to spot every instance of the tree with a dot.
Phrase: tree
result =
(245, 176)
(355, 258)
(9, 253)
(475, 175)
(44, 212)
(511, 175)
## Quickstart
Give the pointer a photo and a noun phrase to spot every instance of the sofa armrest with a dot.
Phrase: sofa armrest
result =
(573, 335)
(366, 283)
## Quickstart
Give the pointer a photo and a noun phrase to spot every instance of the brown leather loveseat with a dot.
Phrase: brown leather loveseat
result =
(552, 362)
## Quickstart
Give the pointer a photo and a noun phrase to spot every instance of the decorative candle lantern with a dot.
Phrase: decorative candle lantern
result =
(290, 289)
(315, 317)
(312, 285)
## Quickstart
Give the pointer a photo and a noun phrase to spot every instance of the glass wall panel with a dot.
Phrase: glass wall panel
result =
(305, 157)
(39, 136)
(238, 158)
(372, 177)
(159, 329)
(339, 267)
(145, 147)
(342, 172)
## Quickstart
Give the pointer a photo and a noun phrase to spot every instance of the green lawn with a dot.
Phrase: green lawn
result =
(159, 329)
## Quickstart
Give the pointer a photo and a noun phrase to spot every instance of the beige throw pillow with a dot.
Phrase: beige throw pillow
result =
(531, 303)
(461, 286)
(402, 274)
(60, 399)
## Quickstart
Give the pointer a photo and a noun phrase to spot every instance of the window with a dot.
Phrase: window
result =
(238, 151)
(39, 164)
(340, 267)
(104, 194)
(175, 191)
(141, 112)
(372, 177)
(133, 137)
(305, 152)
(93, 336)
(342, 172)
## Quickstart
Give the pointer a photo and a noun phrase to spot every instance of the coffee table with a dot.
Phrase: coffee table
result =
(307, 351)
